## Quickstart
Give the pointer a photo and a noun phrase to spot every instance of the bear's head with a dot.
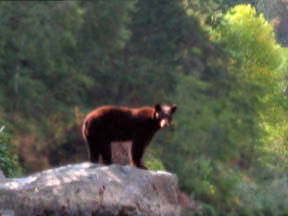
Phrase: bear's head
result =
(163, 114)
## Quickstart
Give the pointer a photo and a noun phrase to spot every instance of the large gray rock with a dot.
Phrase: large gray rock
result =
(90, 189)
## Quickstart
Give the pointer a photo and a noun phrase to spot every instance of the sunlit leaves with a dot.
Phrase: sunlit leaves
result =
(251, 40)
(260, 64)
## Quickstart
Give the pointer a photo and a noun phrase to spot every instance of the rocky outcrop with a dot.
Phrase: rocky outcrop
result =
(90, 189)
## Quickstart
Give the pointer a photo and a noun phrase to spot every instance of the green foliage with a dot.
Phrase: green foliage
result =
(229, 110)
(213, 182)
(259, 64)
(270, 196)
(153, 163)
(159, 32)
(67, 62)
(211, 11)
(100, 56)
(211, 6)
(36, 64)
(9, 163)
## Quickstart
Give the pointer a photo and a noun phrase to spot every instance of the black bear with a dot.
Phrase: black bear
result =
(108, 124)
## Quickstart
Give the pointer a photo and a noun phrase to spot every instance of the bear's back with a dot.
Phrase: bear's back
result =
(118, 112)
(109, 112)
(119, 123)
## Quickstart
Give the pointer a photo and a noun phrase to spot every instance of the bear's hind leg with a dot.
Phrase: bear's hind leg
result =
(93, 150)
(106, 152)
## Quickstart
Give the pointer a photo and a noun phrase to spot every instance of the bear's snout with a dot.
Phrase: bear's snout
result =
(164, 123)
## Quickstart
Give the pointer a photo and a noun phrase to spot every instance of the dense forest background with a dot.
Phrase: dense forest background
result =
(223, 62)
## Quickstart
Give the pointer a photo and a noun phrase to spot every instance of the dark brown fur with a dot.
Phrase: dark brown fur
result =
(107, 124)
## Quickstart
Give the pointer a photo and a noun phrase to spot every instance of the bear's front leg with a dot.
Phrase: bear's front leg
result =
(137, 151)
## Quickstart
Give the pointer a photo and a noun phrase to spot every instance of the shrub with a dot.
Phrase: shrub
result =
(9, 162)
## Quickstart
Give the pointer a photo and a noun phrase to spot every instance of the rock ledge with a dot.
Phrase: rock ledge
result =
(91, 189)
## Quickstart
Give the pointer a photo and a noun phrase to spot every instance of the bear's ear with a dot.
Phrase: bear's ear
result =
(157, 108)
(173, 108)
